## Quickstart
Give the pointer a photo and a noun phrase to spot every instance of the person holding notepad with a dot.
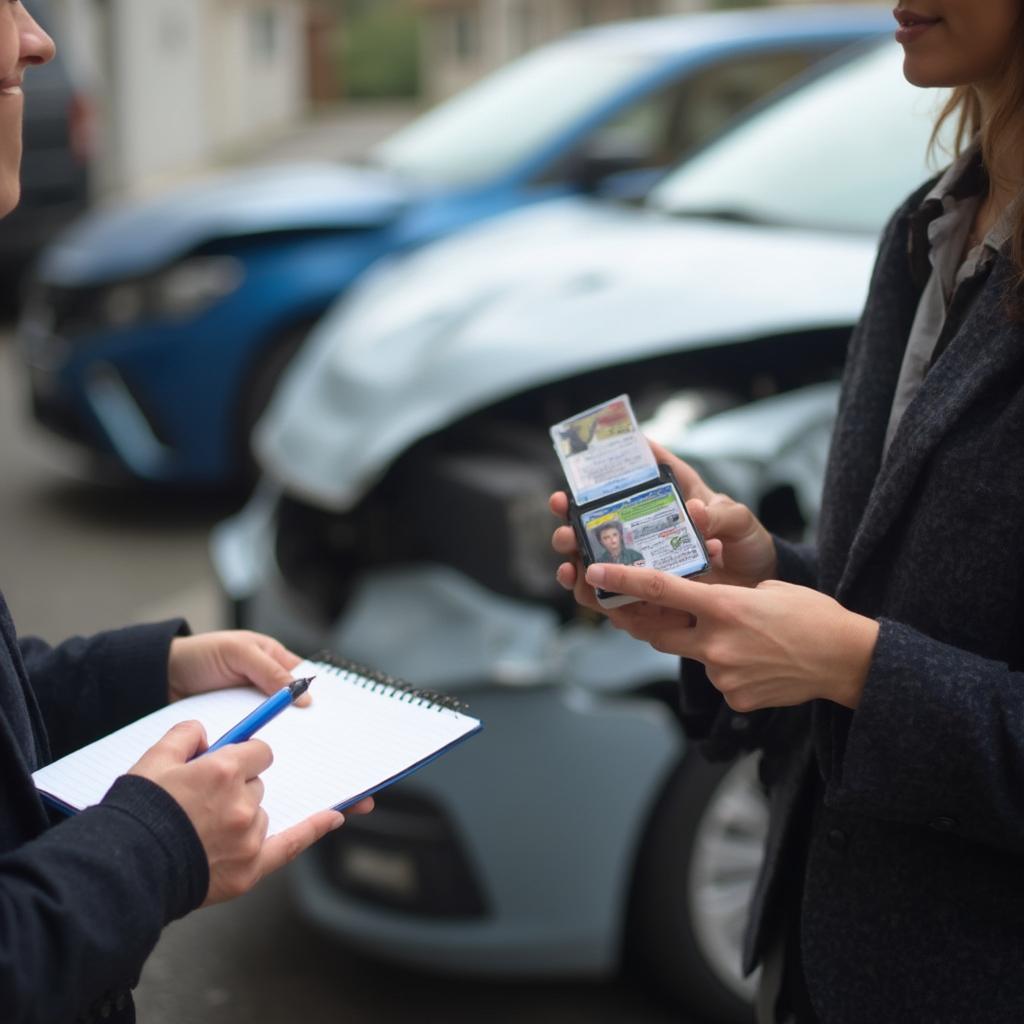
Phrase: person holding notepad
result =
(82, 901)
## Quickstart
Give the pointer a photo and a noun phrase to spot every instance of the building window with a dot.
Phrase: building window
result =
(265, 31)
(466, 29)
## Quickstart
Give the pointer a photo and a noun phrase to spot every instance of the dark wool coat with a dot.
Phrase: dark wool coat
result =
(908, 814)
(83, 902)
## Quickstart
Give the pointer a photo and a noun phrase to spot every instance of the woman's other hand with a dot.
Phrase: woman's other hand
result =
(773, 645)
(742, 550)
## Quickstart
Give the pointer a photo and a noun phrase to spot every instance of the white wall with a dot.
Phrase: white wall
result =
(255, 67)
(179, 84)
(160, 98)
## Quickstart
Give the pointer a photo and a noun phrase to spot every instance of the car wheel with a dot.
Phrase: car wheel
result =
(259, 386)
(694, 879)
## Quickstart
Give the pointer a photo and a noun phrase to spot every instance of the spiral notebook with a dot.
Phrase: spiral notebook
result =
(363, 731)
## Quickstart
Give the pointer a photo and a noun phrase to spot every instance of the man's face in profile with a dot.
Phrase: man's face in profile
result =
(22, 43)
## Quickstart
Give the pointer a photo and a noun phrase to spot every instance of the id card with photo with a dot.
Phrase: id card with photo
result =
(602, 451)
(648, 528)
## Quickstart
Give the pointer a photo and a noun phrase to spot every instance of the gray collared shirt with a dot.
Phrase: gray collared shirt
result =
(947, 236)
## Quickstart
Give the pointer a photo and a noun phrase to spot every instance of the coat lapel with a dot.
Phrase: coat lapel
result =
(983, 348)
(869, 381)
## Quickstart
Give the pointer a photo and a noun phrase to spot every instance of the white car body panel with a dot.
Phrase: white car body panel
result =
(491, 313)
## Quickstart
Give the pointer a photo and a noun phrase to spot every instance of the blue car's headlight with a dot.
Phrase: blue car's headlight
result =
(180, 292)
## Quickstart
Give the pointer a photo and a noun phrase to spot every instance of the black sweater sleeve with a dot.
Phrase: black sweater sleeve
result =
(82, 905)
(89, 686)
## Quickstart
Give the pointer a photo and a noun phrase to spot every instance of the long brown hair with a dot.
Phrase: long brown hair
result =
(1002, 133)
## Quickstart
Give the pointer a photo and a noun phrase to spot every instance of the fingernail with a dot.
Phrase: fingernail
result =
(596, 574)
(339, 822)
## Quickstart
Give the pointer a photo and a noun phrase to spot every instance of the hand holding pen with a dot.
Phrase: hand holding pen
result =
(221, 795)
(259, 717)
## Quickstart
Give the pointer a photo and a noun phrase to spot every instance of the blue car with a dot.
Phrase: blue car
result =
(155, 333)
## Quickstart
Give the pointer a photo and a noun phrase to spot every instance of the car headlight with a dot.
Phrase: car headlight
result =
(184, 290)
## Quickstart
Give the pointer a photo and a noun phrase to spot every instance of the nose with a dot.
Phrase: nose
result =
(36, 46)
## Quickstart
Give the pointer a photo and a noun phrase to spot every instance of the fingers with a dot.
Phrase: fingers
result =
(277, 650)
(698, 510)
(284, 847)
(363, 807)
(660, 588)
(259, 667)
(253, 757)
(727, 519)
(566, 575)
(689, 479)
(559, 504)
(563, 540)
(183, 742)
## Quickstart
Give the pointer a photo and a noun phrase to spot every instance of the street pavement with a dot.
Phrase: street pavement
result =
(78, 555)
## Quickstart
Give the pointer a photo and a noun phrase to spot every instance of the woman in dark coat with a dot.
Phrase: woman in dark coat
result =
(882, 670)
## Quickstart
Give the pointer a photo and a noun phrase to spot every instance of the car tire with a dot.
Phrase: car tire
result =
(694, 877)
(258, 388)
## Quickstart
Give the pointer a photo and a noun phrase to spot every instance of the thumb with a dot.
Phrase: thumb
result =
(262, 670)
(267, 673)
(180, 744)
(184, 741)
(284, 847)
(698, 510)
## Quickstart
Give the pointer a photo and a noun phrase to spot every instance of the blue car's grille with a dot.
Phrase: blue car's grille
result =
(75, 311)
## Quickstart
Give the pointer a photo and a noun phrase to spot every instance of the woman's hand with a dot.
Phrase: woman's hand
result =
(742, 551)
(235, 657)
(769, 646)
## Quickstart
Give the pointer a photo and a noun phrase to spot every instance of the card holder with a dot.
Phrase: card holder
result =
(648, 520)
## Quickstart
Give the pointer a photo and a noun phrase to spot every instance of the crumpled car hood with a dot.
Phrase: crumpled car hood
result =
(534, 297)
(135, 239)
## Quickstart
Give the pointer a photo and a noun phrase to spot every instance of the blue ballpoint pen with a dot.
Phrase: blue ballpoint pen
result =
(256, 719)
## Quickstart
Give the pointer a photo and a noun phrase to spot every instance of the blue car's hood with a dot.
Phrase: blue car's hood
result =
(128, 241)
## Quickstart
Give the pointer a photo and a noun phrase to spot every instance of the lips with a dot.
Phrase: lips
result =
(11, 86)
(910, 19)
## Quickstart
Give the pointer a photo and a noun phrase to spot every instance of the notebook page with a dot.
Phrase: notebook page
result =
(82, 777)
(350, 741)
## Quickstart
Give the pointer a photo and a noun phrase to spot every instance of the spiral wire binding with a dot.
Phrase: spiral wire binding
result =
(380, 682)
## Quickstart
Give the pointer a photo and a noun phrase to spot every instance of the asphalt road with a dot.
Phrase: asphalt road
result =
(77, 556)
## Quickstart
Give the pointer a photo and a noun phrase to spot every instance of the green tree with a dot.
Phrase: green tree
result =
(380, 49)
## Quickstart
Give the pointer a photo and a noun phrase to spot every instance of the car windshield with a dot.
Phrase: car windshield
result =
(490, 127)
(839, 154)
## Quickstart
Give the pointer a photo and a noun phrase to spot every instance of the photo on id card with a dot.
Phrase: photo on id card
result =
(649, 528)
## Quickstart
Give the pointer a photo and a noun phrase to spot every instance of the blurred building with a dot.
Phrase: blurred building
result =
(464, 39)
(180, 83)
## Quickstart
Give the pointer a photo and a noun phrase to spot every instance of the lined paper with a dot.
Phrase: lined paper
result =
(355, 738)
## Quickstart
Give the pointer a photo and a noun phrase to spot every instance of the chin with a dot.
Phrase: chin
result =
(934, 74)
(10, 188)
